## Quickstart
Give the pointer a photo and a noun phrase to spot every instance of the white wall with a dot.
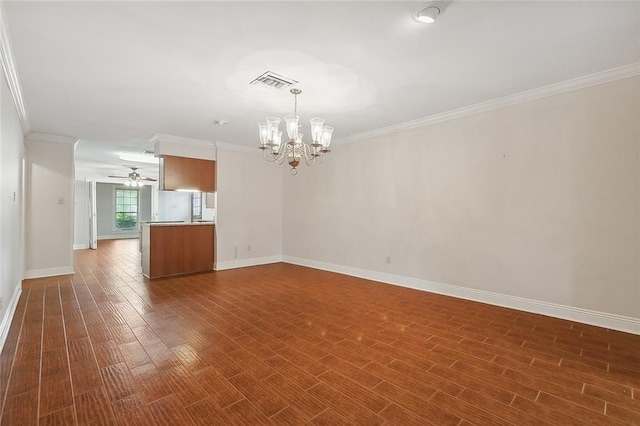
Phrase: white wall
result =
(11, 200)
(249, 209)
(49, 205)
(81, 212)
(537, 201)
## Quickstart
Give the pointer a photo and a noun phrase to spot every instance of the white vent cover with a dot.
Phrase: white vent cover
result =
(271, 79)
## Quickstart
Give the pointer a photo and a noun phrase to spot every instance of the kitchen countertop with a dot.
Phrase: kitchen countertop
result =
(177, 223)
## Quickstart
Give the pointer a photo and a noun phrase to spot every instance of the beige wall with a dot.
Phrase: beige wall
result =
(249, 209)
(49, 177)
(539, 200)
(11, 207)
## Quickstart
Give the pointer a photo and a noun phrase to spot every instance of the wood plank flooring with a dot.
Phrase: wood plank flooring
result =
(282, 344)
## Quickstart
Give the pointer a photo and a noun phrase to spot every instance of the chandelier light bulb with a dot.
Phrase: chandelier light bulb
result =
(295, 150)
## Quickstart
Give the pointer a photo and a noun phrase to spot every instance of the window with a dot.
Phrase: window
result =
(196, 205)
(126, 208)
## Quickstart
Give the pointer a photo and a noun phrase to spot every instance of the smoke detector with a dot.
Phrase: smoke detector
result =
(273, 80)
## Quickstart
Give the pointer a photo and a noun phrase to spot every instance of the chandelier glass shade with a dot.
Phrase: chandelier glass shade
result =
(295, 150)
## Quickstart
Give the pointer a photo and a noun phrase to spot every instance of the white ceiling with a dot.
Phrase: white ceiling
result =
(114, 74)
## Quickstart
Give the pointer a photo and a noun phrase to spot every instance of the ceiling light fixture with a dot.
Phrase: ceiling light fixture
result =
(133, 178)
(293, 151)
(428, 13)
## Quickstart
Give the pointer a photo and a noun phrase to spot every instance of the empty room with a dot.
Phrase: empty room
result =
(320, 212)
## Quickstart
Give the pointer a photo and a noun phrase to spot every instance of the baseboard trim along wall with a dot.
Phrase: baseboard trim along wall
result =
(8, 315)
(242, 263)
(80, 246)
(49, 272)
(123, 236)
(600, 319)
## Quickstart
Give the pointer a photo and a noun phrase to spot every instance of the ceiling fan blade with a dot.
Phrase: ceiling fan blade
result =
(118, 177)
(149, 179)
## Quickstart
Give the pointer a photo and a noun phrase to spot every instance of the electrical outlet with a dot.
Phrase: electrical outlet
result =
(388, 260)
(249, 247)
(235, 252)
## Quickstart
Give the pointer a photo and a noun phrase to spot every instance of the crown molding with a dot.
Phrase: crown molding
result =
(158, 137)
(50, 138)
(240, 148)
(11, 74)
(607, 76)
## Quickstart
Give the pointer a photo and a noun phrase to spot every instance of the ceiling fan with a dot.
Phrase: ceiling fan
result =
(134, 178)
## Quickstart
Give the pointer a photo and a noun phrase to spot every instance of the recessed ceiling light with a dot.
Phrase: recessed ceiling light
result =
(427, 13)
(220, 122)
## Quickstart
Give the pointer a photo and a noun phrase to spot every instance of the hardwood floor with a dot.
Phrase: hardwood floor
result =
(282, 344)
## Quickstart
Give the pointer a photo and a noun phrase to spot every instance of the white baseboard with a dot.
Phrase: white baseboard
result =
(123, 236)
(600, 319)
(49, 272)
(8, 314)
(242, 263)
(80, 246)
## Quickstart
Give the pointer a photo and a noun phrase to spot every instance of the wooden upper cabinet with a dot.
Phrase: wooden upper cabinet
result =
(188, 173)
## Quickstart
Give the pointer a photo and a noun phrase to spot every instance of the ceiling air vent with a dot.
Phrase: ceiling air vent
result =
(271, 79)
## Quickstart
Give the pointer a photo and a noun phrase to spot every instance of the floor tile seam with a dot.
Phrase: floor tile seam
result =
(517, 410)
(465, 353)
(184, 407)
(95, 359)
(544, 382)
(576, 403)
(311, 420)
(419, 414)
(631, 367)
(14, 356)
(550, 350)
(607, 404)
(343, 396)
(357, 384)
(590, 375)
(59, 410)
(476, 407)
(475, 367)
(485, 382)
(582, 383)
(44, 306)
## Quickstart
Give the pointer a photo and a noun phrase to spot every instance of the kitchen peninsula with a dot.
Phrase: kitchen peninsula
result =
(176, 248)
(170, 249)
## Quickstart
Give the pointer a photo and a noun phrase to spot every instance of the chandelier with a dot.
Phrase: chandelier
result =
(274, 150)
